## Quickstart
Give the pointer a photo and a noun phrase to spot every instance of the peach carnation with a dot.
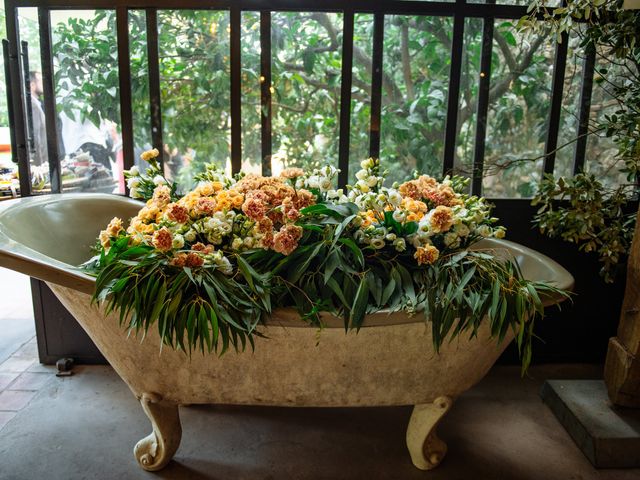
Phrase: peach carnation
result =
(177, 213)
(208, 189)
(201, 247)
(179, 260)
(286, 240)
(443, 195)
(426, 255)
(149, 154)
(292, 172)
(441, 219)
(161, 196)
(303, 198)
(205, 206)
(255, 206)
(193, 260)
(114, 227)
(162, 239)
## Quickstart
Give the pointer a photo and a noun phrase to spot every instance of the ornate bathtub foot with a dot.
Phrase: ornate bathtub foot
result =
(425, 448)
(156, 450)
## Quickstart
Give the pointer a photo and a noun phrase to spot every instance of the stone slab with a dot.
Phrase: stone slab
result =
(608, 436)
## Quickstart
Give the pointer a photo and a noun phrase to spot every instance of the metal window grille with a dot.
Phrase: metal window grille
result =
(458, 11)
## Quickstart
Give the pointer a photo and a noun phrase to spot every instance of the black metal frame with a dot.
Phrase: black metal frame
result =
(458, 10)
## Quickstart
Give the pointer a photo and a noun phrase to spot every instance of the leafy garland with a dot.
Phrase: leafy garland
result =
(221, 303)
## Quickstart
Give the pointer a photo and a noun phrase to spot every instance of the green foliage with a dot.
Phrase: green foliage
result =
(594, 217)
(200, 309)
(581, 210)
(332, 273)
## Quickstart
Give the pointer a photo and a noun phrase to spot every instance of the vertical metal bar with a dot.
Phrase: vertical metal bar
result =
(265, 90)
(10, 111)
(345, 97)
(556, 105)
(44, 21)
(26, 74)
(155, 102)
(376, 84)
(451, 123)
(585, 107)
(124, 76)
(18, 101)
(236, 89)
(483, 106)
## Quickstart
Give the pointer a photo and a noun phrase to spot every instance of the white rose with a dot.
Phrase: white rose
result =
(313, 181)
(368, 163)
(399, 215)
(372, 181)
(178, 241)
(248, 242)
(461, 230)
(362, 186)
(190, 236)
(484, 230)
(395, 198)
(225, 266)
(377, 243)
(134, 171)
(158, 180)
(391, 237)
(499, 233)
(237, 243)
(325, 184)
(133, 182)
(362, 175)
(134, 193)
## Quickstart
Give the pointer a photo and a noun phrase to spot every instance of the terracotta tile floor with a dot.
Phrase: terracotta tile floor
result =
(21, 377)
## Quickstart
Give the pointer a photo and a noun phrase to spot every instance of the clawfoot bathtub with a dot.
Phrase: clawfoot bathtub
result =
(389, 362)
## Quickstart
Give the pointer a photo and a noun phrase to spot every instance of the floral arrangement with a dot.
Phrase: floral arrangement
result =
(207, 266)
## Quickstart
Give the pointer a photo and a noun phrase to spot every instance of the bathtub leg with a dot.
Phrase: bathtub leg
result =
(157, 449)
(425, 448)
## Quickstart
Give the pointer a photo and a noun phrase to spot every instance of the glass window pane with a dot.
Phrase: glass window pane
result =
(251, 118)
(85, 64)
(570, 114)
(468, 103)
(601, 159)
(140, 107)
(36, 125)
(194, 80)
(519, 100)
(360, 92)
(306, 52)
(417, 60)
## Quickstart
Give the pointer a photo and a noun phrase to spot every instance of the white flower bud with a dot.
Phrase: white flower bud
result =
(400, 245)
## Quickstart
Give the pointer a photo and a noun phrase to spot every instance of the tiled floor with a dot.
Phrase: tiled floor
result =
(21, 376)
